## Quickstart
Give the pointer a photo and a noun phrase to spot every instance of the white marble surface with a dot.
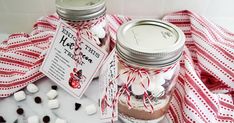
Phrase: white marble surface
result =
(66, 111)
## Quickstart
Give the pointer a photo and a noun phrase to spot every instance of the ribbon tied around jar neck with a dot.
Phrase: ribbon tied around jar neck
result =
(84, 28)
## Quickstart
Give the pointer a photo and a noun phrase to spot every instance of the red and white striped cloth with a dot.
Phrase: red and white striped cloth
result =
(205, 89)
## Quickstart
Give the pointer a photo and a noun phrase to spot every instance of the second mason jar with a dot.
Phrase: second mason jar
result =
(148, 53)
(88, 14)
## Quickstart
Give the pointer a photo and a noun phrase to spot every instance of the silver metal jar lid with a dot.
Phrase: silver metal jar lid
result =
(150, 42)
(76, 10)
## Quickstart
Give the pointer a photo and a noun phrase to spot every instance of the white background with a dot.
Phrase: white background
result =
(19, 15)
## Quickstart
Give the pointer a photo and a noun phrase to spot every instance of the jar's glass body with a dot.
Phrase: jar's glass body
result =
(152, 88)
(148, 52)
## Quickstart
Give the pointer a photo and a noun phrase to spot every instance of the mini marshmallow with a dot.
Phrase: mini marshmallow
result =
(52, 94)
(33, 119)
(103, 23)
(91, 109)
(152, 86)
(52, 104)
(19, 96)
(137, 89)
(139, 80)
(158, 79)
(158, 91)
(58, 120)
(32, 88)
(98, 42)
(123, 78)
(98, 31)
(169, 74)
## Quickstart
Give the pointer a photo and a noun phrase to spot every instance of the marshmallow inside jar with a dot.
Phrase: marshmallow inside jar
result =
(137, 89)
(158, 79)
(123, 79)
(124, 74)
(98, 31)
(147, 49)
(156, 88)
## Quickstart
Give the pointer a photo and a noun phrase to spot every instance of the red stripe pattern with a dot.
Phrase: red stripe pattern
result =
(21, 56)
(207, 72)
(204, 92)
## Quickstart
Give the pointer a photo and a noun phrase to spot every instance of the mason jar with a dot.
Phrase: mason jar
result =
(149, 53)
(89, 15)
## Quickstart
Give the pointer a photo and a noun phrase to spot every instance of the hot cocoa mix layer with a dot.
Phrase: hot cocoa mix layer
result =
(142, 114)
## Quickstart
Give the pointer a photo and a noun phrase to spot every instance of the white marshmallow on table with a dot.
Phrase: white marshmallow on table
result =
(52, 94)
(58, 120)
(91, 109)
(32, 88)
(19, 96)
(98, 31)
(33, 119)
(137, 89)
(158, 91)
(158, 79)
(169, 74)
(52, 104)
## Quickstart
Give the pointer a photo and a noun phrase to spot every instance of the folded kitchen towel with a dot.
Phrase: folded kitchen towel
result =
(205, 88)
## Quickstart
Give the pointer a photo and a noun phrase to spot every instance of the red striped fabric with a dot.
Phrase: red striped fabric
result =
(22, 54)
(205, 89)
(207, 74)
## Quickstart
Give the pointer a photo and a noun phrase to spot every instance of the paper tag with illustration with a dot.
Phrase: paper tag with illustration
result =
(60, 65)
(109, 71)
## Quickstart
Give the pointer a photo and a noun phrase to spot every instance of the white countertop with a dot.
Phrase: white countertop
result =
(66, 111)
(8, 106)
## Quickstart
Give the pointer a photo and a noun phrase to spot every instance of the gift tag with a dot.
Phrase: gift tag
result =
(108, 74)
(61, 66)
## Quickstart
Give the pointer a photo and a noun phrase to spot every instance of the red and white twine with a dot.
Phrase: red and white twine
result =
(83, 28)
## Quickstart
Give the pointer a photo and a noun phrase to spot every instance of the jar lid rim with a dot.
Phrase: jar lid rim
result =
(149, 56)
(76, 13)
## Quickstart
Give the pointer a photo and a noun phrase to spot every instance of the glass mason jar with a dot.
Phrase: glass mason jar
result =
(148, 53)
(89, 15)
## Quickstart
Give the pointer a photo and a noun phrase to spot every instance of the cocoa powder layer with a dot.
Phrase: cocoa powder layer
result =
(141, 114)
